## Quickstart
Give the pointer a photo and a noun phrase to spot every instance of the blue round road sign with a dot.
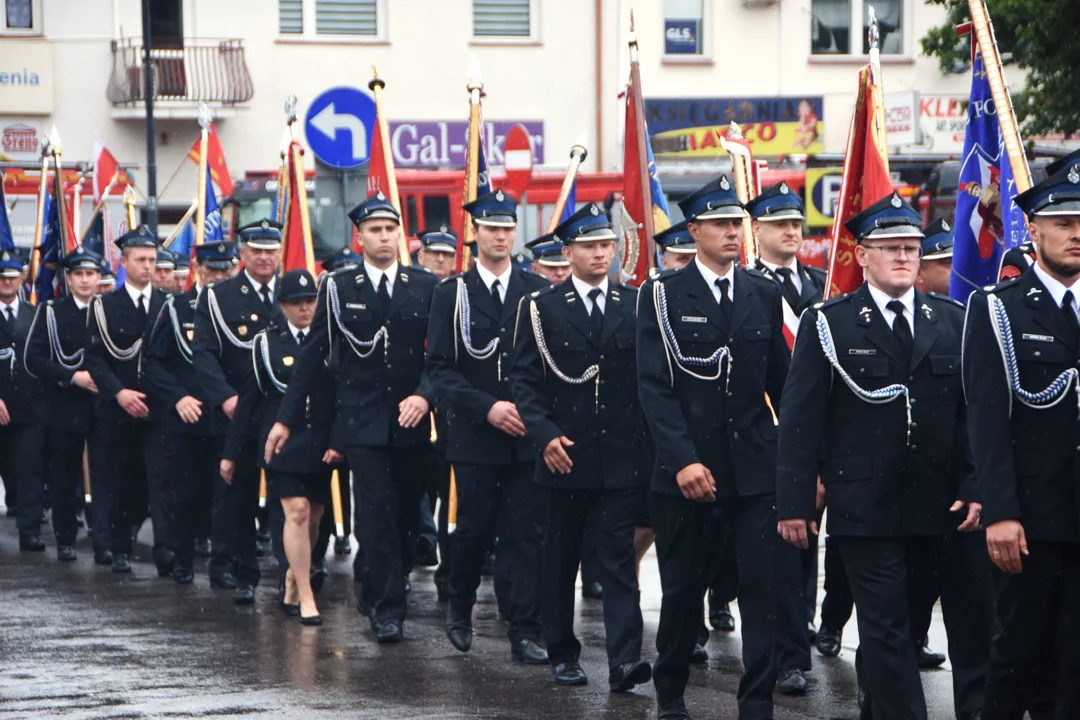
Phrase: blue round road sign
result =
(339, 126)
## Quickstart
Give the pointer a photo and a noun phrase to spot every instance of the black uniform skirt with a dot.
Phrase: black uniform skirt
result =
(313, 486)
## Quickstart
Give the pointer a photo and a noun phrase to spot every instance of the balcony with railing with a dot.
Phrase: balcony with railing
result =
(211, 71)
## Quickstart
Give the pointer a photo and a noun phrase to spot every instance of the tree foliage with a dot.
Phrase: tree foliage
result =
(1039, 36)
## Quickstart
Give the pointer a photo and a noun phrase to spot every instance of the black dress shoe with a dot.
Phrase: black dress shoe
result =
(165, 560)
(927, 658)
(311, 620)
(102, 557)
(528, 652)
(459, 628)
(65, 553)
(390, 632)
(672, 710)
(570, 673)
(627, 675)
(425, 553)
(792, 682)
(721, 618)
(699, 655)
(244, 595)
(203, 548)
(120, 563)
(223, 581)
(182, 575)
(592, 591)
(31, 542)
(828, 641)
(318, 576)
(342, 546)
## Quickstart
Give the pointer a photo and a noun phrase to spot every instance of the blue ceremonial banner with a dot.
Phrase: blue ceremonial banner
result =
(50, 282)
(7, 239)
(184, 242)
(571, 204)
(987, 222)
(95, 235)
(212, 229)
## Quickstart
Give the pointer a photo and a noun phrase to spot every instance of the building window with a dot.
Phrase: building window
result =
(346, 17)
(837, 25)
(502, 18)
(684, 22)
(291, 17)
(21, 17)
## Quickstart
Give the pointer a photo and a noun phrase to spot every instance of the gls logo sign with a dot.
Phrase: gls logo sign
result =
(681, 35)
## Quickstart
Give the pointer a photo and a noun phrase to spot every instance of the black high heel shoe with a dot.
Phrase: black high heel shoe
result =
(310, 620)
(289, 609)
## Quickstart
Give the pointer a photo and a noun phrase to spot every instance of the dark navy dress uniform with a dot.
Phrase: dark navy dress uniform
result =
(470, 351)
(228, 315)
(1027, 460)
(575, 375)
(196, 447)
(22, 439)
(888, 482)
(703, 407)
(376, 355)
(54, 353)
(133, 471)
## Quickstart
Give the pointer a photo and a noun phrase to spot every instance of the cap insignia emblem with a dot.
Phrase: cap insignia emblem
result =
(945, 226)
(499, 195)
(784, 188)
(896, 201)
(303, 281)
(594, 210)
(443, 228)
(221, 248)
(1074, 174)
(265, 225)
(380, 196)
(724, 184)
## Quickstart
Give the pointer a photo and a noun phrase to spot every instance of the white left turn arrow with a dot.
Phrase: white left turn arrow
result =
(329, 122)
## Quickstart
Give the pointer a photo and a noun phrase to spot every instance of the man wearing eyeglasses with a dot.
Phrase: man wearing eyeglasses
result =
(882, 366)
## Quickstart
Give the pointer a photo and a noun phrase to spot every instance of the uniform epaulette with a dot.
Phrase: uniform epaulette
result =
(421, 268)
(452, 278)
(665, 274)
(999, 286)
(945, 298)
(626, 286)
(545, 291)
(527, 271)
(755, 273)
(833, 301)
(815, 270)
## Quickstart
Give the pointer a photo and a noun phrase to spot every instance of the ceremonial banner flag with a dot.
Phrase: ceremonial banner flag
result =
(865, 180)
(7, 238)
(184, 242)
(640, 195)
(988, 221)
(94, 240)
(294, 253)
(571, 203)
(50, 281)
(215, 161)
(105, 166)
(213, 231)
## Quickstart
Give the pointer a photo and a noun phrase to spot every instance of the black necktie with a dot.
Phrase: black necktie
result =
(787, 286)
(725, 301)
(1070, 317)
(266, 297)
(384, 293)
(9, 313)
(901, 329)
(496, 297)
(597, 315)
(300, 338)
(142, 304)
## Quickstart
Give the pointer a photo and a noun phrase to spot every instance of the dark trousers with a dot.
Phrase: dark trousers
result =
(503, 499)
(808, 559)
(592, 570)
(792, 640)
(121, 488)
(837, 604)
(64, 471)
(607, 516)
(687, 548)
(1039, 635)
(387, 483)
(22, 453)
(160, 473)
(232, 525)
(197, 459)
(877, 570)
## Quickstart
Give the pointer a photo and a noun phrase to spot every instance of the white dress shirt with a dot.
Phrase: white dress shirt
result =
(296, 332)
(13, 307)
(258, 286)
(79, 303)
(375, 275)
(489, 279)
(135, 294)
(583, 290)
(1055, 288)
(794, 267)
(881, 299)
(711, 278)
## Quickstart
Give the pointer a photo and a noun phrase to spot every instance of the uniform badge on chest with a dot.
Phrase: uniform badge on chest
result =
(242, 330)
(287, 361)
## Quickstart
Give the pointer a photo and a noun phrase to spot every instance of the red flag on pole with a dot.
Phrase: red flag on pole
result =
(293, 252)
(378, 169)
(105, 166)
(215, 160)
(865, 181)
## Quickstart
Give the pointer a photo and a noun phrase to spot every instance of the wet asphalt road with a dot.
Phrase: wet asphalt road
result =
(77, 641)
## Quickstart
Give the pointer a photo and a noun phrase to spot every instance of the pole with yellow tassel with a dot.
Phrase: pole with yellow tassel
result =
(578, 153)
(129, 208)
(472, 164)
(383, 128)
(205, 118)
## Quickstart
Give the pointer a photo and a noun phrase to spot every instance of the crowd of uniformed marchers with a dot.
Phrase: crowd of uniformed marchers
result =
(561, 419)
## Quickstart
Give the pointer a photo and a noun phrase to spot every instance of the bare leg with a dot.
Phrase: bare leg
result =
(297, 540)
